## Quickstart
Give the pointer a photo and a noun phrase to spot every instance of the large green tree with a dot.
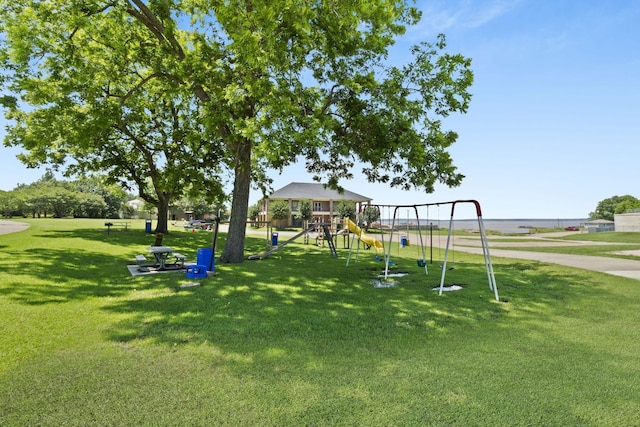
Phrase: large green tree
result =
(607, 208)
(270, 82)
(280, 212)
(10, 203)
(86, 96)
(113, 196)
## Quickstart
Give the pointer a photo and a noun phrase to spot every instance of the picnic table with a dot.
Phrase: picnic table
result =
(162, 255)
(123, 224)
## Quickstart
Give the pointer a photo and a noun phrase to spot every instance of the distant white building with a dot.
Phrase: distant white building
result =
(136, 207)
(629, 222)
(136, 204)
(598, 225)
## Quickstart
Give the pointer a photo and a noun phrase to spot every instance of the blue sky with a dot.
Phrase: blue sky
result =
(554, 123)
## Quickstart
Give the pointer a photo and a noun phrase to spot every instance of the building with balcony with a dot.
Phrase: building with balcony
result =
(323, 202)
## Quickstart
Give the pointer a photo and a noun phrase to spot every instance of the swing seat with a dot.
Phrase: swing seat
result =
(421, 262)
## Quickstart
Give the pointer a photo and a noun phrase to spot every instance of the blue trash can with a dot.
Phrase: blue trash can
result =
(403, 241)
(274, 239)
(204, 257)
(147, 226)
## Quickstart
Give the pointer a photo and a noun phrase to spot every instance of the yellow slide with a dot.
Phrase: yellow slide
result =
(363, 237)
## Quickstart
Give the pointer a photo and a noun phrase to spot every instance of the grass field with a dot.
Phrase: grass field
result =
(301, 339)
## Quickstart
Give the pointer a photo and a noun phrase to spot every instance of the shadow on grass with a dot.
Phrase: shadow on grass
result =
(300, 326)
(301, 300)
(86, 263)
(52, 276)
(299, 297)
(135, 239)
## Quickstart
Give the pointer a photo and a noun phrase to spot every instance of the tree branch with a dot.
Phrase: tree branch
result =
(147, 18)
(329, 102)
(151, 21)
(145, 80)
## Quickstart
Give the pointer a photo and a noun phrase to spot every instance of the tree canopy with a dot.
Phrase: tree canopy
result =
(87, 97)
(305, 210)
(204, 87)
(345, 209)
(85, 198)
(607, 208)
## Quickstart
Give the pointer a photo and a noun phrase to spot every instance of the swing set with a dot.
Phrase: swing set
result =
(386, 247)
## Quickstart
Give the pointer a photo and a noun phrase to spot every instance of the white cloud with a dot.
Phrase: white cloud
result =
(445, 16)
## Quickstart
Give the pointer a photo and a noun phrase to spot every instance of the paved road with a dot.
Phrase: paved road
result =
(7, 227)
(614, 266)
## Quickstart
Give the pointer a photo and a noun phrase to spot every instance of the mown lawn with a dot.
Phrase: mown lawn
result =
(301, 339)
(609, 236)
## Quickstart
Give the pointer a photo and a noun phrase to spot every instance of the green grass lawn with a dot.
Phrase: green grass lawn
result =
(301, 339)
(609, 236)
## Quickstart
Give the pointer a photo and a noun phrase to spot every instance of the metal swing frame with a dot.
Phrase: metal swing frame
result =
(485, 247)
(483, 238)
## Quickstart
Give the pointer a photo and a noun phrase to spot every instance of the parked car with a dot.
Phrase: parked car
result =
(572, 228)
(198, 224)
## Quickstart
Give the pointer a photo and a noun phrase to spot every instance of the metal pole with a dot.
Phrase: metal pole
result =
(487, 259)
(215, 242)
(431, 242)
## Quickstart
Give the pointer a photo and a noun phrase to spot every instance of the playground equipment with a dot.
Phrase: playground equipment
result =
(369, 241)
(382, 248)
(485, 247)
(483, 238)
(276, 248)
(421, 262)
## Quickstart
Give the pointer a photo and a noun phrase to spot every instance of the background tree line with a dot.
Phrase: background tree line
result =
(50, 197)
(85, 198)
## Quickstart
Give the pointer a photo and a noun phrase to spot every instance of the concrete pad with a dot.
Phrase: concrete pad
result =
(136, 271)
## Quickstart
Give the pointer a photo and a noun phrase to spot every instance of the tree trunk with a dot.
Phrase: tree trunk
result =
(233, 251)
(163, 211)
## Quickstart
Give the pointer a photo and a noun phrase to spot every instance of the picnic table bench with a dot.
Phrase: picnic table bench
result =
(162, 254)
(122, 224)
